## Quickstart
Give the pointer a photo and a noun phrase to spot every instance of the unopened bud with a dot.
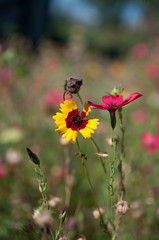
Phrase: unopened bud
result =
(117, 90)
(62, 216)
(103, 155)
(122, 206)
(54, 201)
(97, 214)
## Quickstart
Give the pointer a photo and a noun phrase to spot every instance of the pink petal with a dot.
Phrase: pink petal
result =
(113, 101)
(131, 98)
(100, 106)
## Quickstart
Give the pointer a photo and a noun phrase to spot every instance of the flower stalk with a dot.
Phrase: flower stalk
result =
(102, 222)
(122, 155)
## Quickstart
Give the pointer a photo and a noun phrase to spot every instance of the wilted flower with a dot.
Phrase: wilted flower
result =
(42, 218)
(122, 206)
(72, 86)
(150, 142)
(70, 120)
(112, 103)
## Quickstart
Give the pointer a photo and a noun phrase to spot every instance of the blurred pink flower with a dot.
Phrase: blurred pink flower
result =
(150, 142)
(53, 97)
(139, 116)
(140, 50)
(2, 170)
(152, 70)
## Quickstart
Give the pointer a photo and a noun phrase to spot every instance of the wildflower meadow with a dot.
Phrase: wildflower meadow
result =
(79, 141)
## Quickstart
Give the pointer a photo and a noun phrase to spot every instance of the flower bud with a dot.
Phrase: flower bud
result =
(122, 206)
(62, 216)
(116, 91)
(72, 86)
(103, 155)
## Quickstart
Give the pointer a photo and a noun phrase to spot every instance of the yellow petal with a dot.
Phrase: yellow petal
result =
(61, 130)
(92, 123)
(86, 108)
(86, 132)
(68, 106)
(70, 135)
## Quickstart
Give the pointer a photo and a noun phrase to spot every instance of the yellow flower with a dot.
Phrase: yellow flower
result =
(69, 120)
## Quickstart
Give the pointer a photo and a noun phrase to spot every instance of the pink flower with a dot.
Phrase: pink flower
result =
(139, 116)
(2, 170)
(53, 97)
(150, 142)
(140, 50)
(152, 70)
(112, 103)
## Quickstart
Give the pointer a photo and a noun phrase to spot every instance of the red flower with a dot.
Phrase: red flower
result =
(150, 142)
(112, 103)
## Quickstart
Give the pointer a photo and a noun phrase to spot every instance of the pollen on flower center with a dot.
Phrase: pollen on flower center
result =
(77, 120)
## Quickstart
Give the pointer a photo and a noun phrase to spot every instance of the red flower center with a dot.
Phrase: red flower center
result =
(77, 120)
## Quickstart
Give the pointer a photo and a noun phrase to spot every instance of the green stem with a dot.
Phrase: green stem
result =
(91, 186)
(101, 159)
(112, 167)
(80, 98)
(122, 154)
(107, 178)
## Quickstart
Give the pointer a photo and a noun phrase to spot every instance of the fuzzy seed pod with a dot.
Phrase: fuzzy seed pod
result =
(122, 206)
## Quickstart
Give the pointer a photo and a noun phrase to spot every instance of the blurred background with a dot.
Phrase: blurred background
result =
(106, 43)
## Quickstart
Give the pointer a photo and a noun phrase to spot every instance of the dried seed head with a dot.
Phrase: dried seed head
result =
(54, 201)
(72, 86)
(96, 213)
(43, 218)
(103, 155)
(122, 206)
